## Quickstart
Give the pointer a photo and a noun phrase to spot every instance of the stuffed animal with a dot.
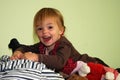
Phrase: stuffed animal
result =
(14, 44)
(76, 77)
(95, 71)
(100, 72)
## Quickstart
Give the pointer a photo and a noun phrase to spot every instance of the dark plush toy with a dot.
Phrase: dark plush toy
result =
(14, 44)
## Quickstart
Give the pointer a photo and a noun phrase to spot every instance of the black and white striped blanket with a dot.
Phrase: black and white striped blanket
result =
(25, 70)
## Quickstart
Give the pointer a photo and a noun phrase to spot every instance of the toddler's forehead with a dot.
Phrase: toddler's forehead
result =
(48, 19)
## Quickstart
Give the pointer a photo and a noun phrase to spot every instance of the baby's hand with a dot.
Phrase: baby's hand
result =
(31, 56)
(17, 55)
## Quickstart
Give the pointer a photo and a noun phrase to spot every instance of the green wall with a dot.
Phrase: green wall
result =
(93, 26)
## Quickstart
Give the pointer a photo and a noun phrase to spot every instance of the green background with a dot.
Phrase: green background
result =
(93, 26)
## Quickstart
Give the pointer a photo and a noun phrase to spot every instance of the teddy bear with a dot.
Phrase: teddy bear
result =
(76, 77)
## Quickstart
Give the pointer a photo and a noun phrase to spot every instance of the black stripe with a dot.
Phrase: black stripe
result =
(12, 64)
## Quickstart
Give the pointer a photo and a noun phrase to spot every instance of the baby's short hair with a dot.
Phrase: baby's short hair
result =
(44, 13)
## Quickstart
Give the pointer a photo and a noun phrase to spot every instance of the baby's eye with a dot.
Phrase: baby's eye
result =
(39, 28)
(50, 27)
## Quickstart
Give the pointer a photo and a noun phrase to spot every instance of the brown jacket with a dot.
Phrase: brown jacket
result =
(63, 52)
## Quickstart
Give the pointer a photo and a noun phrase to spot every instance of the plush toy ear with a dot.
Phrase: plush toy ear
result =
(14, 44)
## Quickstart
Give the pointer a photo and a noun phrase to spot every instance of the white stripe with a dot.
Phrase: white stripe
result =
(10, 65)
(3, 66)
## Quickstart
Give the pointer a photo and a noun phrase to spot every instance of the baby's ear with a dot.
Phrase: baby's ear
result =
(62, 30)
(14, 44)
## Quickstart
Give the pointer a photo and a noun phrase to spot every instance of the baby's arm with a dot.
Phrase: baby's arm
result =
(31, 56)
(27, 55)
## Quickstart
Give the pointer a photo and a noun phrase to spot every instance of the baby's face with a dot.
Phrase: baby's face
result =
(49, 32)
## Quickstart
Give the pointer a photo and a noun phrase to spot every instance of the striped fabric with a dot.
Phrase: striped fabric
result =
(25, 70)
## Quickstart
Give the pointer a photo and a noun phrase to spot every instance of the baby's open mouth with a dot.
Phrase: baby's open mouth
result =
(46, 39)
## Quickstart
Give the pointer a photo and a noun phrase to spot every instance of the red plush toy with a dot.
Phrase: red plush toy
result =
(95, 71)
(100, 72)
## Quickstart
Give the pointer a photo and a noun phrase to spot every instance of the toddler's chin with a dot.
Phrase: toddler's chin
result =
(48, 45)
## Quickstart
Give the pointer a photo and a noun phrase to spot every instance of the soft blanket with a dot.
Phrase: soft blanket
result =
(25, 70)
